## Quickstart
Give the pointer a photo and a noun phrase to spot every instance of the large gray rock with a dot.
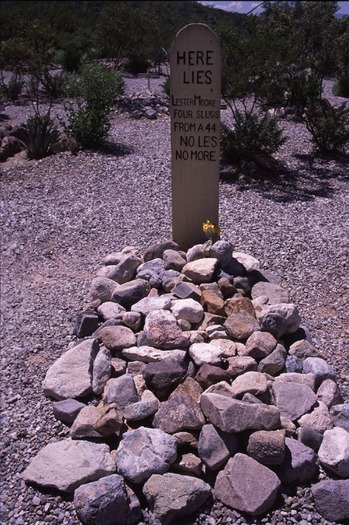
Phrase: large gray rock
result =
(102, 289)
(143, 452)
(111, 310)
(148, 304)
(120, 390)
(331, 498)
(67, 464)
(334, 451)
(223, 251)
(295, 377)
(70, 376)
(195, 252)
(182, 409)
(232, 415)
(172, 496)
(188, 309)
(293, 399)
(162, 331)
(97, 422)
(275, 293)
(250, 382)
(152, 272)
(299, 465)
(130, 293)
(280, 319)
(173, 260)
(201, 270)
(246, 485)
(116, 338)
(215, 447)
(320, 368)
(107, 501)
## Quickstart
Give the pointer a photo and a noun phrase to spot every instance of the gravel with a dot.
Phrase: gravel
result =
(62, 215)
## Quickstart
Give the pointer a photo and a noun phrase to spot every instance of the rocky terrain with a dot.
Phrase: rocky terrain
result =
(62, 215)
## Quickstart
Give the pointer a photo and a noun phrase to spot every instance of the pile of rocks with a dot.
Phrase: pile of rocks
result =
(11, 140)
(144, 105)
(192, 380)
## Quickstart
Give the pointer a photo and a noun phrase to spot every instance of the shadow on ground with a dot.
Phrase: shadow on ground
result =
(310, 179)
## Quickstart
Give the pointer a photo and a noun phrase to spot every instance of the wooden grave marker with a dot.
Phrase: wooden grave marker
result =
(195, 87)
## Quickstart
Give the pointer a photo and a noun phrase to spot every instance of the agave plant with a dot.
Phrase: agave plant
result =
(42, 134)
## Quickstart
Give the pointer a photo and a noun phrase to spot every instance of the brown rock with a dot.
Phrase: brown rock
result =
(212, 303)
(240, 326)
(239, 304)
(267, 447)
(97, 422)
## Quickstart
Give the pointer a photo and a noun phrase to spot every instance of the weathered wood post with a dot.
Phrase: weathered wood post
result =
(195, 86)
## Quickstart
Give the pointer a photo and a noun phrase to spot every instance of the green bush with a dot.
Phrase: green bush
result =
(89, 126)
(42, 134)
(253, 134)
(328, 125)
(98, 85)
(341, 86)
(96, 89)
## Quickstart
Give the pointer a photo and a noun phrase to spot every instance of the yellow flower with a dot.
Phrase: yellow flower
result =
(210, 229)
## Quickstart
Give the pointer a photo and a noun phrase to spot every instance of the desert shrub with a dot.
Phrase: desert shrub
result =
(42, 134)
(341, 86)
(71, 59)
(87, 125)
(98, 85)
(95, 89)
(302, 88)
(328, 125)
(253, 134)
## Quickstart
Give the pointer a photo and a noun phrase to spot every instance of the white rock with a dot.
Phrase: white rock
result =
(202, 353)
(188, 310)
(334, 451)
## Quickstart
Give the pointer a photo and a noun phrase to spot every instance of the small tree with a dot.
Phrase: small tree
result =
(328, 125)
(89, 119)
(250, 84)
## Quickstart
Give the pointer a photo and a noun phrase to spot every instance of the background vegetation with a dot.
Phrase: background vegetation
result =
(280, 57)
